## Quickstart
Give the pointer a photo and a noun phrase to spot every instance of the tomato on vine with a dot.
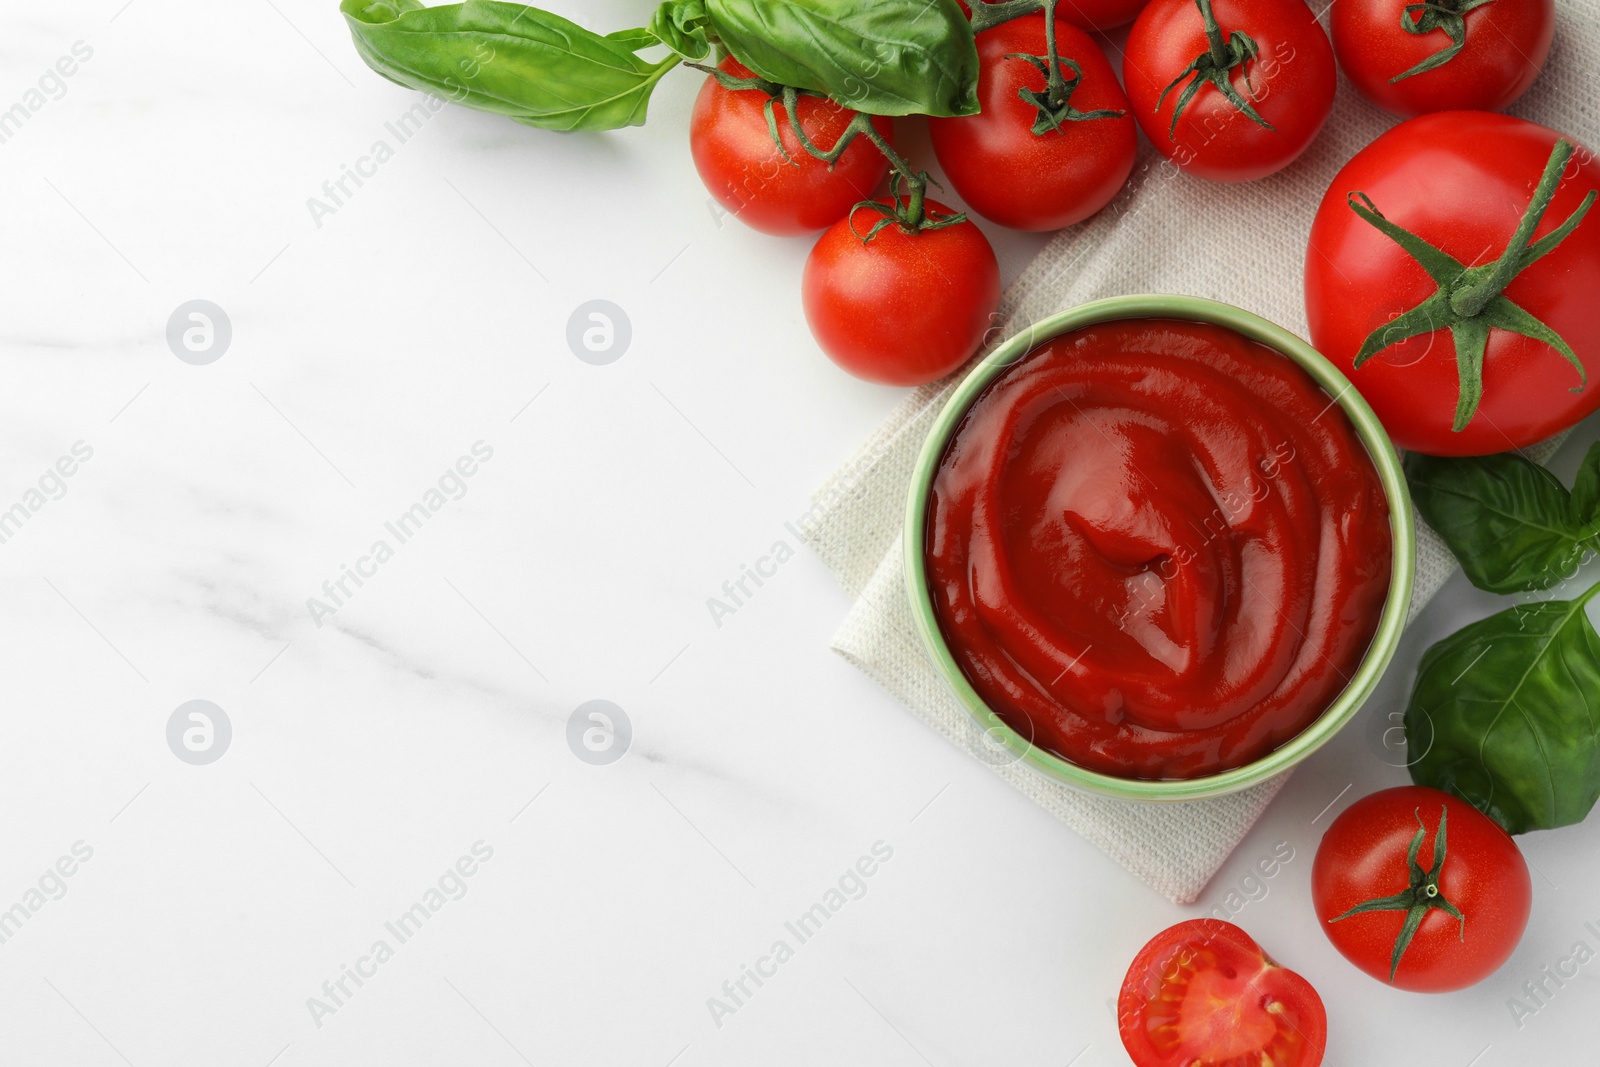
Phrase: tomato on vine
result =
(734, 136)
(1443, 55)
(1449, 274)
(1204, 994)
(1429, 928)
(1054, 141)
(1084, 14)
(899, 305)
(1230, 90)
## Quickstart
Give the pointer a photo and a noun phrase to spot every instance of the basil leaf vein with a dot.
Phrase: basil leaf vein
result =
(1510, 523)
(528, 64)
(1505, 713)
(887, 57)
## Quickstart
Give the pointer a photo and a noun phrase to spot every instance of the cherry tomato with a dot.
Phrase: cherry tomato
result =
(1203, 994)
(1473, 896)
(1030, 181)
(1289, 83)
(1461, 181)
(903, 308)
(1503, 47)
(742, 167)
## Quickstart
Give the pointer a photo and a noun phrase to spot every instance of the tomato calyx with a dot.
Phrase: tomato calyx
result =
(1469, 301)
(1215, 67)
(1054, 101)
(1447, 15)
(1422, 896)
(907, 207)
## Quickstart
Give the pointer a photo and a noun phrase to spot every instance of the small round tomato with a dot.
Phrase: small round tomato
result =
(1449, 55)
(1420, 859)
(903, 308)
(1009, 173)
(1203, 994)
(1099, 14)
(744, 170)
(1460, 183)
(1232, 90)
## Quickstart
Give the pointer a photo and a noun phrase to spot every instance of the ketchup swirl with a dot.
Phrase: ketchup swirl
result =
(1156, 548)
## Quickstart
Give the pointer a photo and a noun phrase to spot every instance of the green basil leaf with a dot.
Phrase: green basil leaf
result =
(886, 57)
(535, 67)
(1507, 520)
(1585, 511)
(681, 26)
(1505, 714)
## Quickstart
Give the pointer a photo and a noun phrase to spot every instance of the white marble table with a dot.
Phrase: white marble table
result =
(407, 742)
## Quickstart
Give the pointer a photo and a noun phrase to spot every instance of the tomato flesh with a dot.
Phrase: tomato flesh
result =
(1203, 994)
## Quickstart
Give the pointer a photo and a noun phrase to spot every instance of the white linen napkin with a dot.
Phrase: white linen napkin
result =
(1166, 233)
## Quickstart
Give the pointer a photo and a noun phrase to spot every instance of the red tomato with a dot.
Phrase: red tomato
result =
(1031, 181)
(1481, 875)
(743, 169)
(1290, 85)
(1089, 14)
(904, 308)
(1099, 14)
(1203, 994)
(1461, 181)
(1503, 47)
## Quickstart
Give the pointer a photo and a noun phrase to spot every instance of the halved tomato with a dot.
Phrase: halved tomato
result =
(1203, 994)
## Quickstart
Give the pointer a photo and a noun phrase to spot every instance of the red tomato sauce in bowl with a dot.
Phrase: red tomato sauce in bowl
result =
(1156, 548)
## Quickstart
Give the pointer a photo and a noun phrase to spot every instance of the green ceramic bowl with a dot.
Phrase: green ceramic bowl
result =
(1011, 746)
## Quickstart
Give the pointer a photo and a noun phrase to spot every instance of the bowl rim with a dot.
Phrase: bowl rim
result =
(1385, 459)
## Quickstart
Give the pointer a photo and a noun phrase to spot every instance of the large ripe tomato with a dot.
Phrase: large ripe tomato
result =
(1289, 84)
(742, 167)
(903, 308)
(1030, 181)
(1481, 876)
(1504, 44)
(1203, 994)
(1461, 181)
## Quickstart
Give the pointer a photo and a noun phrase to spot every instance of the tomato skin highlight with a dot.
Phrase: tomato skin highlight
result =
(1460, 180)
(1363, 856)
(1027, 182)
(903, 309)
(1506, 45)
(1293, 76)
(1204, 994)
(745, 172)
